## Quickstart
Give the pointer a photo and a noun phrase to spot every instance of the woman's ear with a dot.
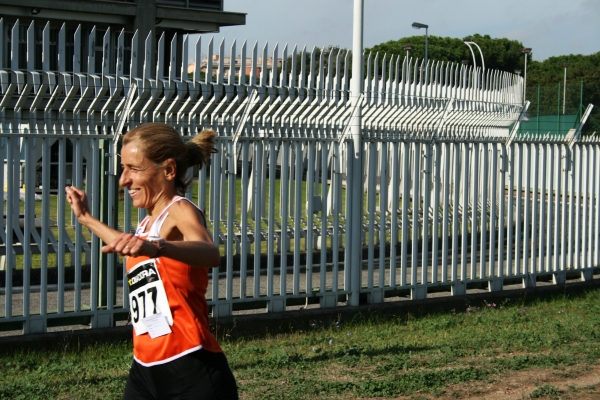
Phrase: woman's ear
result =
(170, 169)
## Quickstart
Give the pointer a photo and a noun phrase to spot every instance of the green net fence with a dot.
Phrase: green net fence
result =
(556, 109)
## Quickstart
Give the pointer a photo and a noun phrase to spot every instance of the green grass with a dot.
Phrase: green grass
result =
(545, 391)
(439, 354)
(53, 206)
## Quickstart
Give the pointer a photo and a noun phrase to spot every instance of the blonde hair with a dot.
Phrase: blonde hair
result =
(159, 142)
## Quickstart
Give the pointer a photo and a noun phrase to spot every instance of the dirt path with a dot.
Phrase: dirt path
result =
(572, 383)
(576, 382)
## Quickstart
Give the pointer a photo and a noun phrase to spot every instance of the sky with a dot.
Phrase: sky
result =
(549, 27)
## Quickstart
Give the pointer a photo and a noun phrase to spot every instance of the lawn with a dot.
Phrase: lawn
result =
(35, 260)
(518, 349)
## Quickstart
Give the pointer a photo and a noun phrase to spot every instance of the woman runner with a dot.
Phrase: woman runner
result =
(167, 261)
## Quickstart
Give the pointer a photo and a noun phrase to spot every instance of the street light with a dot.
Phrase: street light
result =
(418, 25)
(468, 41)
(565, 88)
(526, 51)
(472, 53)
(408, 48)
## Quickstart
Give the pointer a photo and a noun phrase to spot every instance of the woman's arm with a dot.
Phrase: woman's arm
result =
(187, 240)
(115, 241)
(79, 204)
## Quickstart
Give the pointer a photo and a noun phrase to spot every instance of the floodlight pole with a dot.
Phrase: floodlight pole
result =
(525, 50)
(566, 65)
(426, 50)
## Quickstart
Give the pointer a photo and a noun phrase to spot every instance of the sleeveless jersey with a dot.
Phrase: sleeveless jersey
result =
(185, 287)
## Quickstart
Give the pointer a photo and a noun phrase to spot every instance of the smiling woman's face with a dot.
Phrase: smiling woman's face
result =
(146, 181)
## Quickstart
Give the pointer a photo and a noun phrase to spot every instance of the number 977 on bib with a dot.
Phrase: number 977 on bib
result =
(147, 295)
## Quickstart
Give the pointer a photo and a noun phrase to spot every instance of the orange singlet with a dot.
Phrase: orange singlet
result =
(185, 287)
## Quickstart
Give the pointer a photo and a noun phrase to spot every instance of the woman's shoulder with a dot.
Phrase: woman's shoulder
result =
(184, 207)
(182, 216)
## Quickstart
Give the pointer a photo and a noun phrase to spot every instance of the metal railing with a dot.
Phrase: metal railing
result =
(449, 197)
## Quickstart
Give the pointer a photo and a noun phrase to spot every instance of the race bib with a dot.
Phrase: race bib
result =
(147, 295)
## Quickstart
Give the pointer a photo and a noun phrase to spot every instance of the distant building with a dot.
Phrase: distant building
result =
(237, 65)
(160, 16)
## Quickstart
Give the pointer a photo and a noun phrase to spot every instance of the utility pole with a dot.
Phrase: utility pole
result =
(566, 65)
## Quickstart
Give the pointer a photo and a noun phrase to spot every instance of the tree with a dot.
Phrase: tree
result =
(543, 77)
(499, 54)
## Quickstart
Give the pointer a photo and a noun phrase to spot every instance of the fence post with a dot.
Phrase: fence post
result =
(108, 217)
(354, 261)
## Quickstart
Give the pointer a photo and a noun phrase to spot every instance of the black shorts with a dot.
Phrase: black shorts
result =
(198, 375)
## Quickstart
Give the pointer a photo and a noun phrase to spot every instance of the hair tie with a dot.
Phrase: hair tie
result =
(186, 148)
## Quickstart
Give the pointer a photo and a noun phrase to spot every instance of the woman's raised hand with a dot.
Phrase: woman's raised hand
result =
(78, 201)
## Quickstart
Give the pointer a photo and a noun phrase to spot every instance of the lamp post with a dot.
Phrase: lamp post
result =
(468, 41)
(418, 25)
(472, 53)
(526, 51)
(408, 48)
(566, 65)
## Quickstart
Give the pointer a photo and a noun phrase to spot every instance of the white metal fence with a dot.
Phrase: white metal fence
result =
(451, 197)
